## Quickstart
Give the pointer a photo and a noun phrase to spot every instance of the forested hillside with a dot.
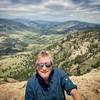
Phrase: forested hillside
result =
(76, 53)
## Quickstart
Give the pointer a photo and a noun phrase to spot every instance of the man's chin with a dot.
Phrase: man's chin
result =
(45, 78)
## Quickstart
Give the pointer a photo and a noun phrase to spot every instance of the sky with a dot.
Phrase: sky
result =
(52, 10)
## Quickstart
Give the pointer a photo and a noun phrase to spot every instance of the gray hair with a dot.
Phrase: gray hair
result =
(44, 54)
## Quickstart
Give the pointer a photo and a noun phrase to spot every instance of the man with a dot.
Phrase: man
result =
(49, 83)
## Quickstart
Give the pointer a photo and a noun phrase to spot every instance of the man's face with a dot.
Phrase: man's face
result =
(44, 67)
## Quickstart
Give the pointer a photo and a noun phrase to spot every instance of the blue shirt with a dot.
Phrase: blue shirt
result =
(59, 81)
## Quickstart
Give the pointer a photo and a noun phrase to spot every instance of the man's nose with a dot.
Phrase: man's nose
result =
(44, 67)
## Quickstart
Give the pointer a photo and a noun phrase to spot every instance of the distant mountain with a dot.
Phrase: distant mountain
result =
(13, 25)
(7, 25)
(48, 27)
(40, 26)
(45, 27)
(39, 23)
(29, 23)
(74, 26)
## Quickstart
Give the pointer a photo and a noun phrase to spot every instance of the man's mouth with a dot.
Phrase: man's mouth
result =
(44, 72)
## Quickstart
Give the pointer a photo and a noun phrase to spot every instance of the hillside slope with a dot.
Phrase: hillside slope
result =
(88, 86)
(76, 53)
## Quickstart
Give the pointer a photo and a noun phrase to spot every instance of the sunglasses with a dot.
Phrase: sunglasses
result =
(48, 65)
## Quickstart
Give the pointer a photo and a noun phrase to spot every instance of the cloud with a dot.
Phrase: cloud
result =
(88, 10)
(23, 1)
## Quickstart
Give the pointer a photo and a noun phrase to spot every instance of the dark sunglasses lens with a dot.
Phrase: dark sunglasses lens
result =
(48, 65)
(41, 65)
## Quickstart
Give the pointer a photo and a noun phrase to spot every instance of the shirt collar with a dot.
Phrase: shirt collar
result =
(41, 80)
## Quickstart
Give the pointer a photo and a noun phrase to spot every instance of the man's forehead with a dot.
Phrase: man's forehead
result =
(44, 59)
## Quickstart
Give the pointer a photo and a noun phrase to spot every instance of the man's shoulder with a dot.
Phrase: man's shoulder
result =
(58, 70)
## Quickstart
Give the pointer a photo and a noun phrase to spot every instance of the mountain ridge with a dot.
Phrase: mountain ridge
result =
(45, 27)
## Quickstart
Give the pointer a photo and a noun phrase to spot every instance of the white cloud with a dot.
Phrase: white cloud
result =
(52, 9)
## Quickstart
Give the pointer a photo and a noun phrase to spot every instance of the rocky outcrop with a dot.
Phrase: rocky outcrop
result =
(88, 85)
(12, 91)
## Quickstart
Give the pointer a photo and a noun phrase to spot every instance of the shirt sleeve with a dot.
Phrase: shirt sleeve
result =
(29, 93)
(66, 83)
